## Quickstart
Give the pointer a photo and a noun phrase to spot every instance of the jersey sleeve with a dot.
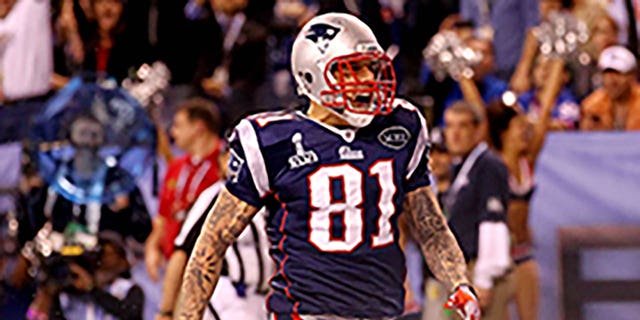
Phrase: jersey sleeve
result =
(247, 175)
(418, 168)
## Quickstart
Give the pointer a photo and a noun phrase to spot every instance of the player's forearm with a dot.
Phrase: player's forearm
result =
(173, 280)
(197, 287)
(441, 251)
(224, 224)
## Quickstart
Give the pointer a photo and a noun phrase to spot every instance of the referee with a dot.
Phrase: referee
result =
(241, 290)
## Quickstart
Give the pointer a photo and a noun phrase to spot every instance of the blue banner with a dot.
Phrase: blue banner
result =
(586, 179)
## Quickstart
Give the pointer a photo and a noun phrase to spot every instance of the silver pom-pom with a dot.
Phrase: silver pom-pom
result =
(562, 36)
(149, 82)
(446, 55)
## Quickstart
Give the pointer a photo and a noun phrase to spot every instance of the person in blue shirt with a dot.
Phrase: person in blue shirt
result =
(334, 180)
(566, 111)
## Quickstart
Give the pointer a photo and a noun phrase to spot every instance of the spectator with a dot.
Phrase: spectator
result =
(616, 106)
(278, 90)
(234, 82)
(566, 111)
(69, 43)
(26, 65)
(520, 81)
(505, 22)
(437, 90)
(603, 34)
(114, 49)
(195, 131)
(586, 78)
(489, 86)
(103, 293)
(476, 203)
(482, 88)
(181, 45)
(422, 20)
(583, 69)
(76, 25)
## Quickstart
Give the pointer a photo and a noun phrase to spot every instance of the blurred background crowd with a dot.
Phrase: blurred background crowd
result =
(163, 81)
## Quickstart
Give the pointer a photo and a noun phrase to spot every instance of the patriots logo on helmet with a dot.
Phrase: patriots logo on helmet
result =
(321, 34)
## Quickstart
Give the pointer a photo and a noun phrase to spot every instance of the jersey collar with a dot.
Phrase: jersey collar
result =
(347, 135)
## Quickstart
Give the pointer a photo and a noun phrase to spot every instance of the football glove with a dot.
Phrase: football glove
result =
(463, 300)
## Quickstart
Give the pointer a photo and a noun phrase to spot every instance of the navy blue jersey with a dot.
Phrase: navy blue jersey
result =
(334, 197)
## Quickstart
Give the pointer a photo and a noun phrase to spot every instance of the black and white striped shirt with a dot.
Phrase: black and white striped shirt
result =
(247, 261)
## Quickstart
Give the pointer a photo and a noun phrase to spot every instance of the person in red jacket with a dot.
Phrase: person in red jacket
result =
(195, 130)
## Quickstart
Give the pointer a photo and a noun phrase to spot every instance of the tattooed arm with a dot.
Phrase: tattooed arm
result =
(438, 245)
(224, 224)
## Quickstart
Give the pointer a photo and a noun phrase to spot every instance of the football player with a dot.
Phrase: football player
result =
(335, 179)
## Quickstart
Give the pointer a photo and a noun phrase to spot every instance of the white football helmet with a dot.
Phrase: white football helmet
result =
(326, 58)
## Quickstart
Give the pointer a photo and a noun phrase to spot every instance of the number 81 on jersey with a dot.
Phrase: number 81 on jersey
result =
(324, 206)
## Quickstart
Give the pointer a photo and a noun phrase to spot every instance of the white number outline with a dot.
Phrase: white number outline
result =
(384, 171)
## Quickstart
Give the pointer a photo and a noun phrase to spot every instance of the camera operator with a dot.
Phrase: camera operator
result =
(107, 292)
(122, 211)
(56, 211)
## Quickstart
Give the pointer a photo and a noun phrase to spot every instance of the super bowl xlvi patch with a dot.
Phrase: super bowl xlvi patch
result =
(395, 137)
(302, 157)
(234, 166)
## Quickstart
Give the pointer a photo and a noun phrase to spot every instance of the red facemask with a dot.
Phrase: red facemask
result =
(369, 95)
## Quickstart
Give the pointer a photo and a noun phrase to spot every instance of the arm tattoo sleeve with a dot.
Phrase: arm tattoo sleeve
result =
(226, 220)
(441, 251)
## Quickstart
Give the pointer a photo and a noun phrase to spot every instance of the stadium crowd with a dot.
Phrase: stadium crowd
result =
(231, 58)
